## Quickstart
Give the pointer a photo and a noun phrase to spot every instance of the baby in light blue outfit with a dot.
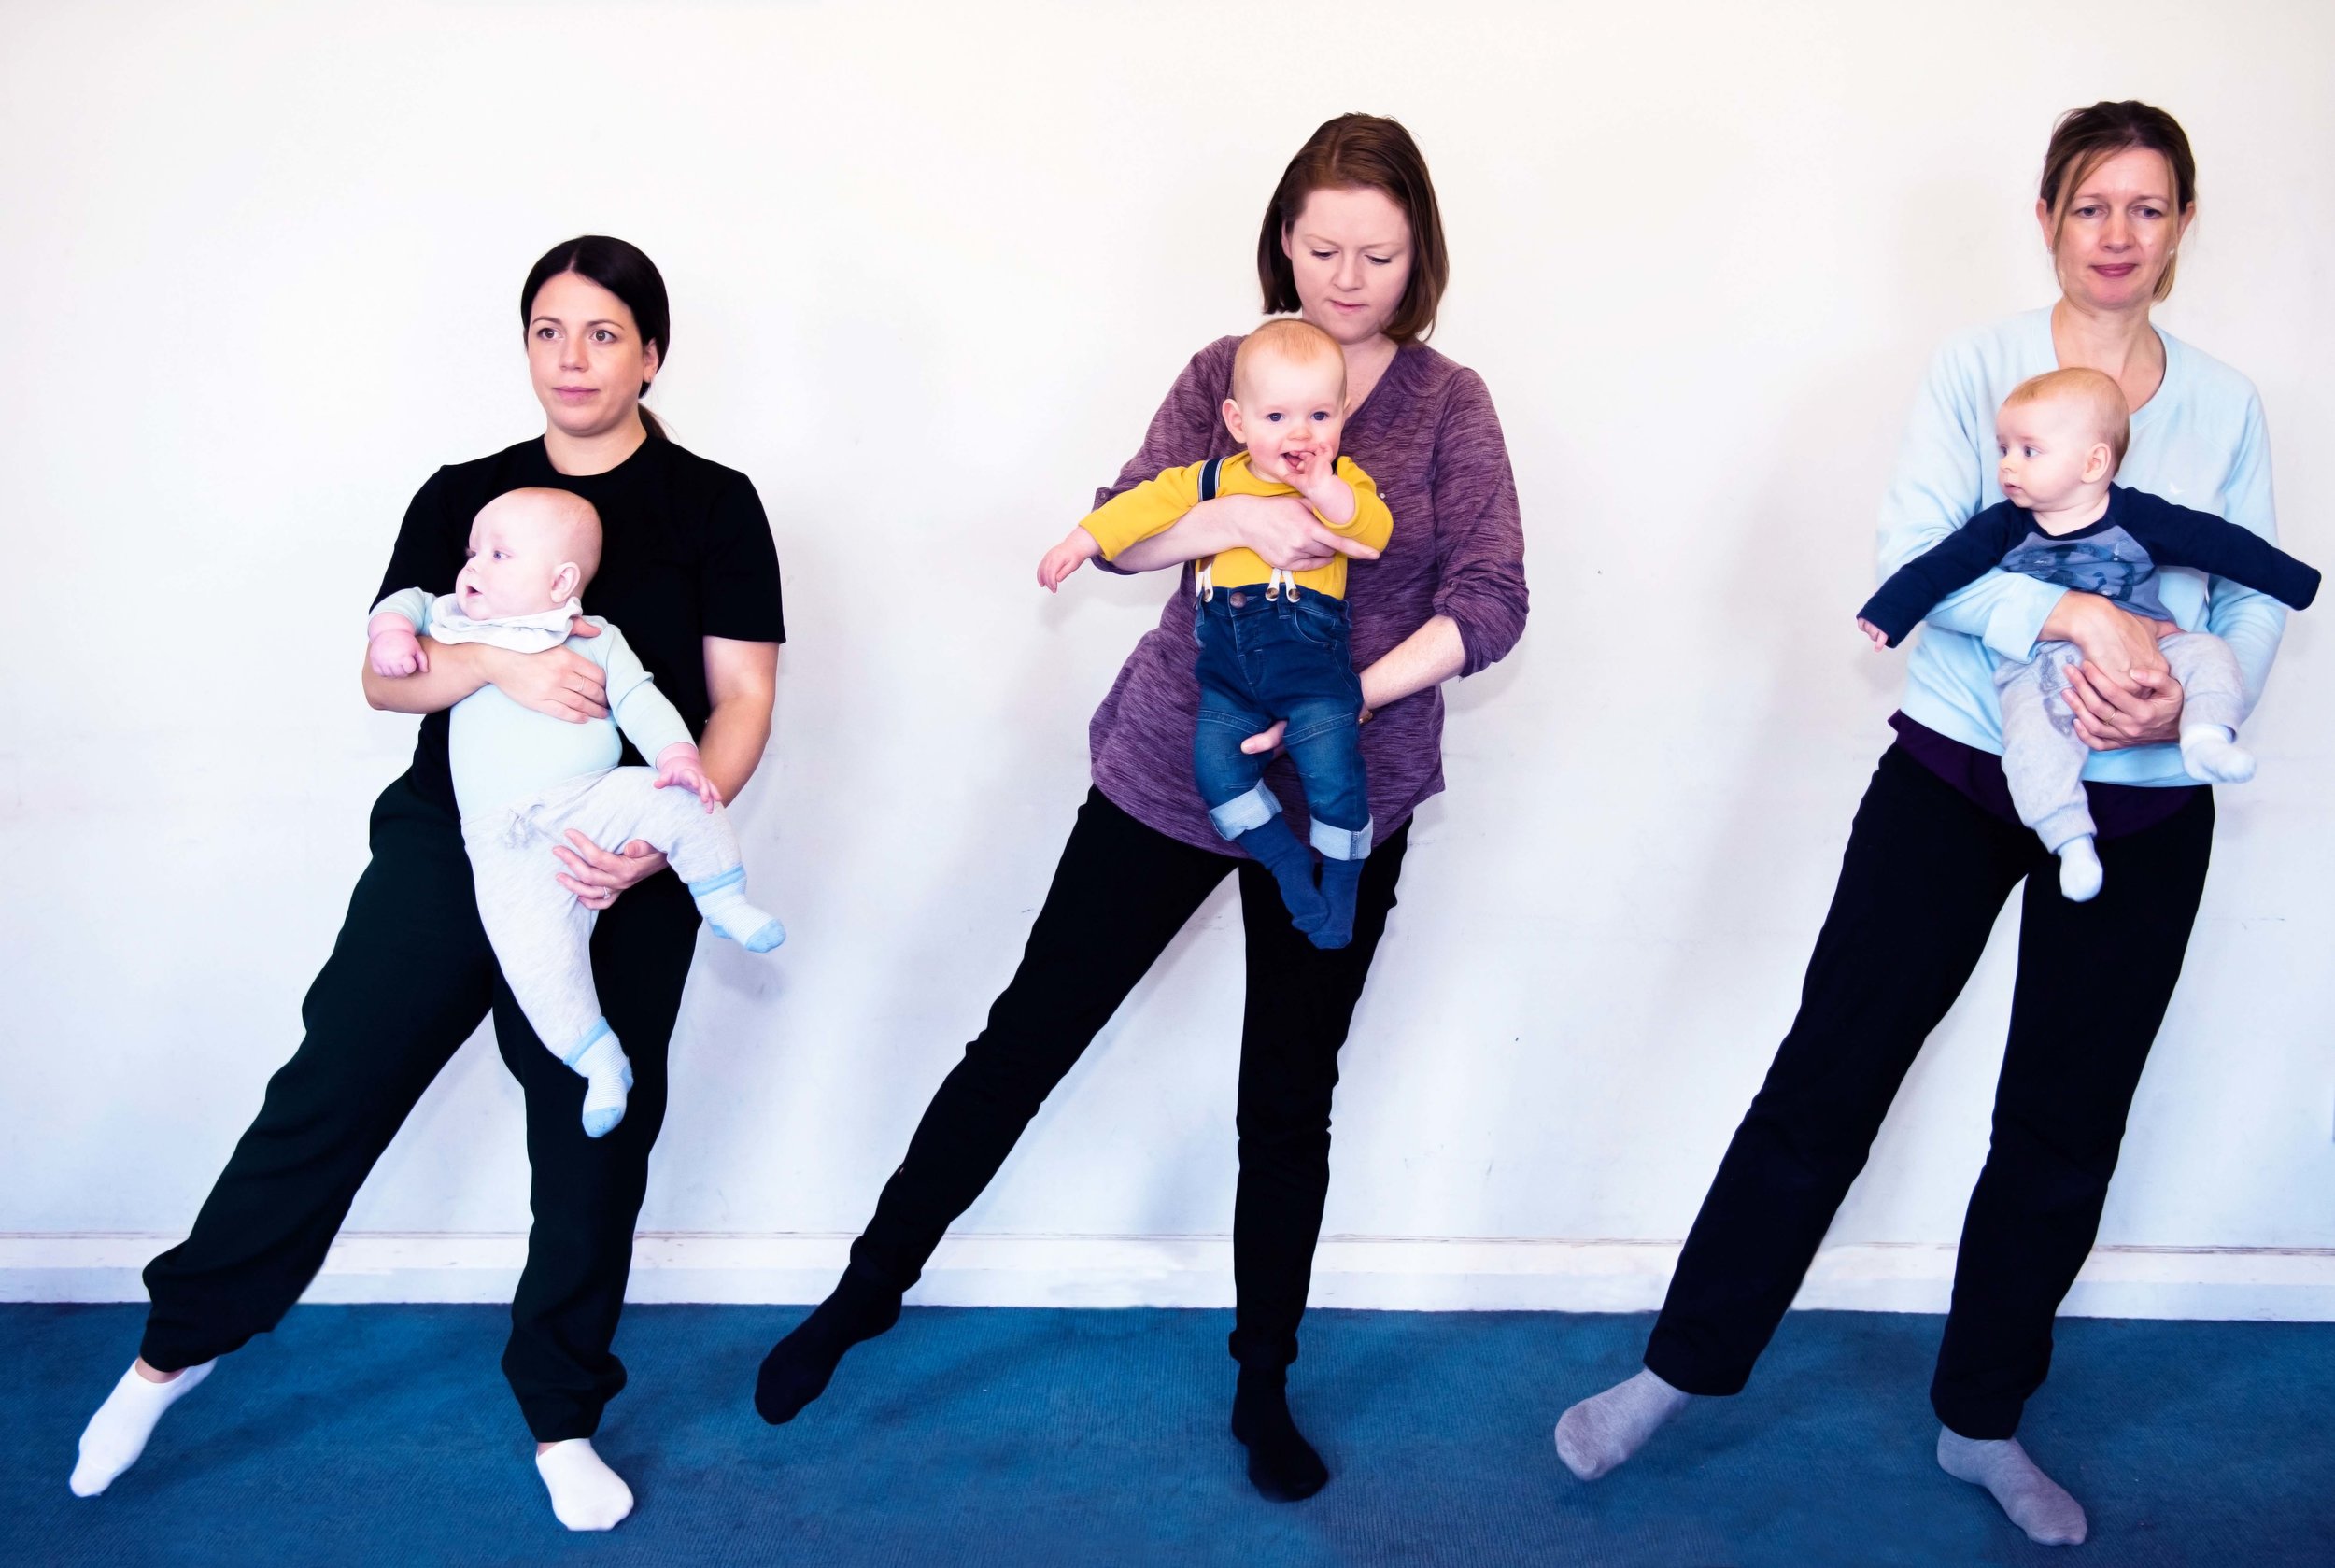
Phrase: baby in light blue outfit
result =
(522, 779)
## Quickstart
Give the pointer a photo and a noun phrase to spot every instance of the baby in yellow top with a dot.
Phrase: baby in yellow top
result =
(1272, 643)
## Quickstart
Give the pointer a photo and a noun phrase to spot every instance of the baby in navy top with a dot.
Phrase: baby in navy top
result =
(2062, 435)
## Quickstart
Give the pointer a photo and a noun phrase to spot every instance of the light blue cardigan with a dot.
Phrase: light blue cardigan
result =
(2200, 441)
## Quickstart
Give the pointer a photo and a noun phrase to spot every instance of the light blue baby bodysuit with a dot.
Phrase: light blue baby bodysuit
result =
(501, 752)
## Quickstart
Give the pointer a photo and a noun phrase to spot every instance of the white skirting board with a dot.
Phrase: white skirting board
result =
(1386, 1272)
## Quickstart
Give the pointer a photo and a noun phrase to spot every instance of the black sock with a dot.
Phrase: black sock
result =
(1341, 884)
(1277, 849)
(796, 1371)
(1282, 1465)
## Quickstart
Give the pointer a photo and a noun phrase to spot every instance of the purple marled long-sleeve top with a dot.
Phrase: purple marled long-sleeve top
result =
(1428, 436)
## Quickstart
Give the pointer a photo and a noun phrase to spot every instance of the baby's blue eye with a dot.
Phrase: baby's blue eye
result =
(1321, 414)
(1273, 418)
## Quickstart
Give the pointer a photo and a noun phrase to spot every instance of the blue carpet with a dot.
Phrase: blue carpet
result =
(384, 1435)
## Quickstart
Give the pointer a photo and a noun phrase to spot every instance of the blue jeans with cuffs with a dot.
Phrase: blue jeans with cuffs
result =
(1263, 659)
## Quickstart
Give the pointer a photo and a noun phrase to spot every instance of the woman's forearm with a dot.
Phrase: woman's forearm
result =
(1427, 657)
(456, 669)
(1204, 530)
(732, 748)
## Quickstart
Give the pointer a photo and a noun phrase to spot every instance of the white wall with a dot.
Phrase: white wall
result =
(260, 264)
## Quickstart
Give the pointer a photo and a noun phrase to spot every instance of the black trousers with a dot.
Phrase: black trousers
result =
(410, 977)
(1119, 895)
(1925, 875)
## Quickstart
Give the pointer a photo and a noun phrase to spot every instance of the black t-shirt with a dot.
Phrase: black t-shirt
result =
(685, 554)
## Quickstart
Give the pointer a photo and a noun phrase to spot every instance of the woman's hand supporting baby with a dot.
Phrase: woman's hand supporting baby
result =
(558, 682)
(2122, 694)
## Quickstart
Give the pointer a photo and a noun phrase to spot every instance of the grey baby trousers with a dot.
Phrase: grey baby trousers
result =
(2043, 757)
(541, 936)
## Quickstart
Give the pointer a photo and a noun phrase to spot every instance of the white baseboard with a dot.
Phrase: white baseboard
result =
(1386, 1272)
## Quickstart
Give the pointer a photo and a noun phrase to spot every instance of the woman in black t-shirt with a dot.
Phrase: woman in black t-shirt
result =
(688, 572)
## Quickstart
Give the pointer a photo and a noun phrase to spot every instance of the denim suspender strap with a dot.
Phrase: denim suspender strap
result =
(1204, 579)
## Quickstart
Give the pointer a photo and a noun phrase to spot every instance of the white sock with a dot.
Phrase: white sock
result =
(117, 1435)
(585, 1493)
(1599, 1434)
(2037, 1503)
(729, 914)
(2211, 752)
(608, 1079)
(2080, 875)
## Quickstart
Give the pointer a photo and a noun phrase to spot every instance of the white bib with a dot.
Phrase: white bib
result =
(521, 634)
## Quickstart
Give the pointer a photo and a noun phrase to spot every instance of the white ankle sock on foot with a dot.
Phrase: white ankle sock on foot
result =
(2036, 1503)
(117, 1435)
(2211, 752)
(586, 1494)
(2080, 876)
(1597, 1435)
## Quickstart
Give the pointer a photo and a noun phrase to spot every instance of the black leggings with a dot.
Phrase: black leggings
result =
(1925, 875)
(409, 979)
(1119, 896)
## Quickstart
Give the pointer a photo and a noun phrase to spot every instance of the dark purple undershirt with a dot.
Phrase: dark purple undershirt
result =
(2117, 810)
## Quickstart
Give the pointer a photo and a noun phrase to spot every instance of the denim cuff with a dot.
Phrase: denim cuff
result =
(1252, 807)
(1341, 843)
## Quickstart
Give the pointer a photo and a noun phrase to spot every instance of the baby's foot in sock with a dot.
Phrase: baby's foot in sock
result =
(1598, 1435)
(607, 1080)
(2211, 753)
(1282, 1465)
(797, 1370)
(117, 1435)
(2037, 1503)
(1273, 846)
(586, 1494)
(728, 914)
(1341, 885)
(2080, 875)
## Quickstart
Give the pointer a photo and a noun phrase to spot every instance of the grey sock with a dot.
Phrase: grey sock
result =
(1598, 1435)
(2037, 1503)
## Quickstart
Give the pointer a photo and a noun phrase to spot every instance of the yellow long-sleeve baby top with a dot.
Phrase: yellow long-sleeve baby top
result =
(1155, 505)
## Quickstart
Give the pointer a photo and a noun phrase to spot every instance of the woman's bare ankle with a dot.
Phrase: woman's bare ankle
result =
(154, 1374)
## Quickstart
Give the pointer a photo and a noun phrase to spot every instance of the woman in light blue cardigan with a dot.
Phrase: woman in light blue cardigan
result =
(1936, 848)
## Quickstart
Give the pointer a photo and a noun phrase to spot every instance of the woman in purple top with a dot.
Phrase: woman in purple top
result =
(1352, 241)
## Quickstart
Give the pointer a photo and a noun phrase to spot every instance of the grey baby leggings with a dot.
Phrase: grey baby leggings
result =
(542, 937)
(2043, 757)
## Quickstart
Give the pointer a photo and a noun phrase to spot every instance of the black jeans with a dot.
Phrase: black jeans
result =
(410, 977)
(1925, 875)
(1119, 895)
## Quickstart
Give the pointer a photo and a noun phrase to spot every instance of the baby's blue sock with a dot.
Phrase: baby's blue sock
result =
(1341, 881)
(1277, 849)
(722, 900)
(607, 1081)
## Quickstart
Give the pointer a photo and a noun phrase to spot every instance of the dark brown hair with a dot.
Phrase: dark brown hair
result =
(1360, 150)
(2084, 139)
(625, 271)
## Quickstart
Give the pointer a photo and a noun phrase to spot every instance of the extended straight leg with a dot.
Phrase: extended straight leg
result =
(1119, 895)
(1921, 881)
(393, 1002)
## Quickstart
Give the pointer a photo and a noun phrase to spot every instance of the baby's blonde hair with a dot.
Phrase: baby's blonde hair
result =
(1292, 341)
(576, 517)
(2097, 390)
